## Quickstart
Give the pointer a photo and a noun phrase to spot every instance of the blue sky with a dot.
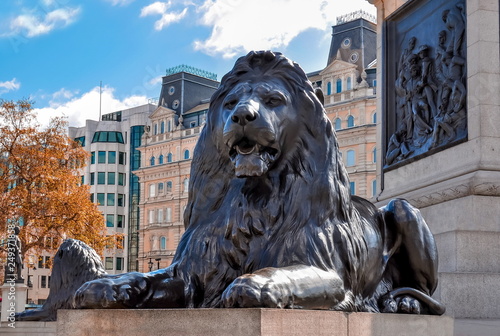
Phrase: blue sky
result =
(56, 52)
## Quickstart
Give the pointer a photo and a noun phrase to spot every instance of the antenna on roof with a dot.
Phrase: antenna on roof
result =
(100, 98)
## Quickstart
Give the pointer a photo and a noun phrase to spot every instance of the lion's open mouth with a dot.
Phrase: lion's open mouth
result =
(251, 158)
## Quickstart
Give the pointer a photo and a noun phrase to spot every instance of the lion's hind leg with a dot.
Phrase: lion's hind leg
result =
(412, 266)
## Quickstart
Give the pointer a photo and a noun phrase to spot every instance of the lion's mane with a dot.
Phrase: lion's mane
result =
(298, 213)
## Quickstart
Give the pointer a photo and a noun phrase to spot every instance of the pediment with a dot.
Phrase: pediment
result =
(161, 112)
(338, 66)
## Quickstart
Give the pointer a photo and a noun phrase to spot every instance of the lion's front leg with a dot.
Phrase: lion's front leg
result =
(132, 290)
(296, 286)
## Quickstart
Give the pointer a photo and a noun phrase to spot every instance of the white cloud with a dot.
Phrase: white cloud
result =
(240, 26)
(161, 8)
(40, 22)
(11, 85)
(78, 108)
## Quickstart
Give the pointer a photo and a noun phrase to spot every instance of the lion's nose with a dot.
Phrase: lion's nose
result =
(244, 114)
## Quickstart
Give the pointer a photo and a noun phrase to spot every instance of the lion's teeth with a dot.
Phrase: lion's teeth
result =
(246, 151)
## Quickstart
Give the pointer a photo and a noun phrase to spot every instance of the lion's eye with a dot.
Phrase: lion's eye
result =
(274, 101)
(230, 104)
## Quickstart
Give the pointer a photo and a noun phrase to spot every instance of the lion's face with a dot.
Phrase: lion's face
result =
(257, 117)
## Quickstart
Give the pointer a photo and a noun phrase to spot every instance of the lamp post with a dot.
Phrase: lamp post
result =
(158, 261)
(150, 264)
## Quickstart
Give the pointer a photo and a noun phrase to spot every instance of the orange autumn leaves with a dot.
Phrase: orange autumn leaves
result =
(41, 184)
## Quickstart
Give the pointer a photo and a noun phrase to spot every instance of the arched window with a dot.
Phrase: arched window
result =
(185, 185)
(339, 85)
(160, 188)
(155, 129)
(338, 124)
(169, 186)
(374, 188)
(374, 154)
(329, 88)
(161, 159)
(169, 157)
(152, 161)
(152, 190)
(186, 154)
(350, 121)
(374, 117)
(351, 158)
(163, 243)
(162, 127)
(349, 85)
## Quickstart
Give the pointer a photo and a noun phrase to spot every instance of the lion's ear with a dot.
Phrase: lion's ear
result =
(320, 95)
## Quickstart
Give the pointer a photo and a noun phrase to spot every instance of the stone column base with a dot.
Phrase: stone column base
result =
(13, 299)
(251, 322)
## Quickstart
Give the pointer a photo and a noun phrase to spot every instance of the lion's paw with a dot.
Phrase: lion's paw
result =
(119, 292)
(251, 290)
(404, 304)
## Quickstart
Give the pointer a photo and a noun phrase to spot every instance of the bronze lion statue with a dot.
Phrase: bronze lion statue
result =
(270, 221)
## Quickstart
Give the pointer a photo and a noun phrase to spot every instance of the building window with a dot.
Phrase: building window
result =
(169, 157)
(169, 126)
(43, 281)
(155, 129)
(329, 88)
(121, 200)
(171, 90)
(162, 127)
(374, 188)
(338, 124)
(47, 262)
(161, 159)
(109, 263)
(374, 117)
(185, 185)
(101, 178)
(92, 178)
(121, 158)
(121, 179)
(111, 157)
(349, 85)
(192, 124)
(151, 218)
(111, 178)
(351, 156)
(163, 243)
(92, 198)
(352, 186)
(111, 200)
(152, 190)
(374, 155)
(101, 157)
(100, 198)
(119, 221)
(119, 263)
(350, 121)
(108, 136)
(186, 154)
(160, 188)
(175, 104)
(110, 220)
(160, 215)
(168, 215)
(339, 85)
(169, 186)
(152, 161)
(92, 157)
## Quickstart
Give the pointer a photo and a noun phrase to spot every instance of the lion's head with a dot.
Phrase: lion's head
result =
(258, 106)
(267, 134)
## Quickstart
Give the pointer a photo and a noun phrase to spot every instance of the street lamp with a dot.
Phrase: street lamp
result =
(158, 261)
(150, 264)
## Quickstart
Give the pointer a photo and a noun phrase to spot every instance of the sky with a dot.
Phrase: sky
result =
(58, 52)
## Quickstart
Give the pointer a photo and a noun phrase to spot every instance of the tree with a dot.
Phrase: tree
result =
(40, 182)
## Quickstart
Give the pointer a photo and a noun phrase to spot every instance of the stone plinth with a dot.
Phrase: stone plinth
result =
(458, 188)
(251, 322)
(28, 328)
(14, 297)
